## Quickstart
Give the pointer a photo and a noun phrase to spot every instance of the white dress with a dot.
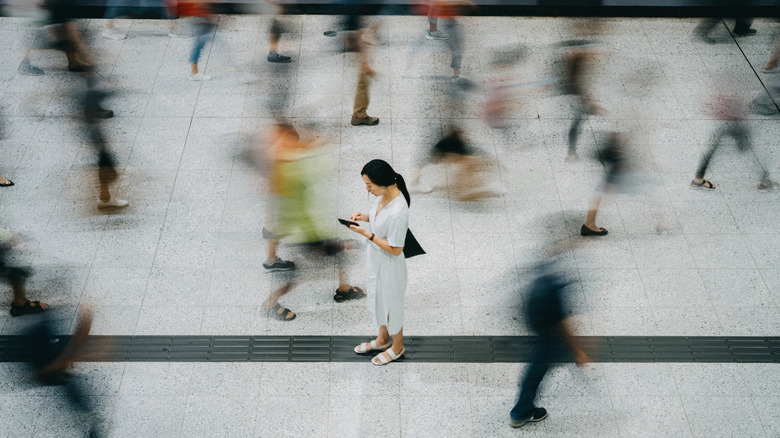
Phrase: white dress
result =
(386, 273)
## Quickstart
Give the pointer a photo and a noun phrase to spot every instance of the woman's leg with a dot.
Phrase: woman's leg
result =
(200, 42)
(383, 337)
(774, 57)
(590, 219)
(398, 341)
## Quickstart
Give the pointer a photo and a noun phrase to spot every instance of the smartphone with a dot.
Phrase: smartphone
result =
(347, 223)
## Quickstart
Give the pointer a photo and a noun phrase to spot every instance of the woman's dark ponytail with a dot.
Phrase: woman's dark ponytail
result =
(399, 181)
(382, 174)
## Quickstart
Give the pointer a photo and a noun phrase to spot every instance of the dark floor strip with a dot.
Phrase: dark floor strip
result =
(457, 349)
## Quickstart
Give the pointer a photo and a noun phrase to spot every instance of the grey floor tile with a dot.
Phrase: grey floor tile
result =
(492, 380)
(613, 287)
(760, 380)
(148, 415)
(169, 320)
(766, 408)
(364, 415)
(437, 321)
(674, 287)
(687, 321)
(731, 251)
(434, 380)
(704, 414)
(625, 320)
(650, 416)
(704, 380)
(288, 379)
(494, 320)
(220, 415)
(282, 416)
(364, 379)
(748, 321)
(638, 380)
(17, 412)
(434, 416)
(736, 288)
(155, 378)
(113, 319)
(115, 286)
(59, 420)
(585, 415)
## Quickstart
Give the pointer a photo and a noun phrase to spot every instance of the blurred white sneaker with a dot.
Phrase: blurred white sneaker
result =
(113, 34)
(113, 203)
(438, 35)
(420, 188)
(199, 77)
(177, 34)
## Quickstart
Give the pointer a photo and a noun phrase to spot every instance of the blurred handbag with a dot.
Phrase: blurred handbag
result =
(412, 246)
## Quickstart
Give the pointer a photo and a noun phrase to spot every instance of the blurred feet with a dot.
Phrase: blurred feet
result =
(539, 414)
(29, 70)
(277, 58)
(112, 203)
(176, 33)
(587, 231)
(367, 120)
(279, 265)
(767, 186)
(113, 34)
(438, 35)
(744, 32)
(199, 77)
(28, 308)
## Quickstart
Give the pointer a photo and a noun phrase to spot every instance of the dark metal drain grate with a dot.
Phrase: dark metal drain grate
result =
(418, 348)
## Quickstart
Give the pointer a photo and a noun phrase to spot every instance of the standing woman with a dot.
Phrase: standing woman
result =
(388, 220)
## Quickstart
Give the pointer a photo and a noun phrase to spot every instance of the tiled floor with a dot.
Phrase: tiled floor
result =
(185, 257)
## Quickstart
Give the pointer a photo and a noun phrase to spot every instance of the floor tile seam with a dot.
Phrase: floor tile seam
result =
(767, 433)
(741, 233)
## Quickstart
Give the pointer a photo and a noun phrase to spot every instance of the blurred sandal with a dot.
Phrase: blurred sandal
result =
(28, 308)
(704, 184)
(354, 293)
(281, 313)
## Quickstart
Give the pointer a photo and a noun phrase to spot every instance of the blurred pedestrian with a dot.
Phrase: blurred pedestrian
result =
(450, 10)
(275, 34)
(68, 38)
(546, 314)
(286, 189)
(614, 158)
(433, 32)
(728, 109)
(740, 9)
(143, 9)
(469, 182)
(355, 42)
(386, 277)
(16, 277)
(578, 61)
(204, 24)
(106, 164)
(290, 215)
(52, 355)
(27, 35)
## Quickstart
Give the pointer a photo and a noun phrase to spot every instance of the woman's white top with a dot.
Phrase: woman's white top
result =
(386, 273)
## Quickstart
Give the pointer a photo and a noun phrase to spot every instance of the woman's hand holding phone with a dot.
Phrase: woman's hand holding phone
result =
(358, 216)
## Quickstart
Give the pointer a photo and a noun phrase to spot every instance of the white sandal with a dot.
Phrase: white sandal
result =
(368, 347)
(381, 359)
